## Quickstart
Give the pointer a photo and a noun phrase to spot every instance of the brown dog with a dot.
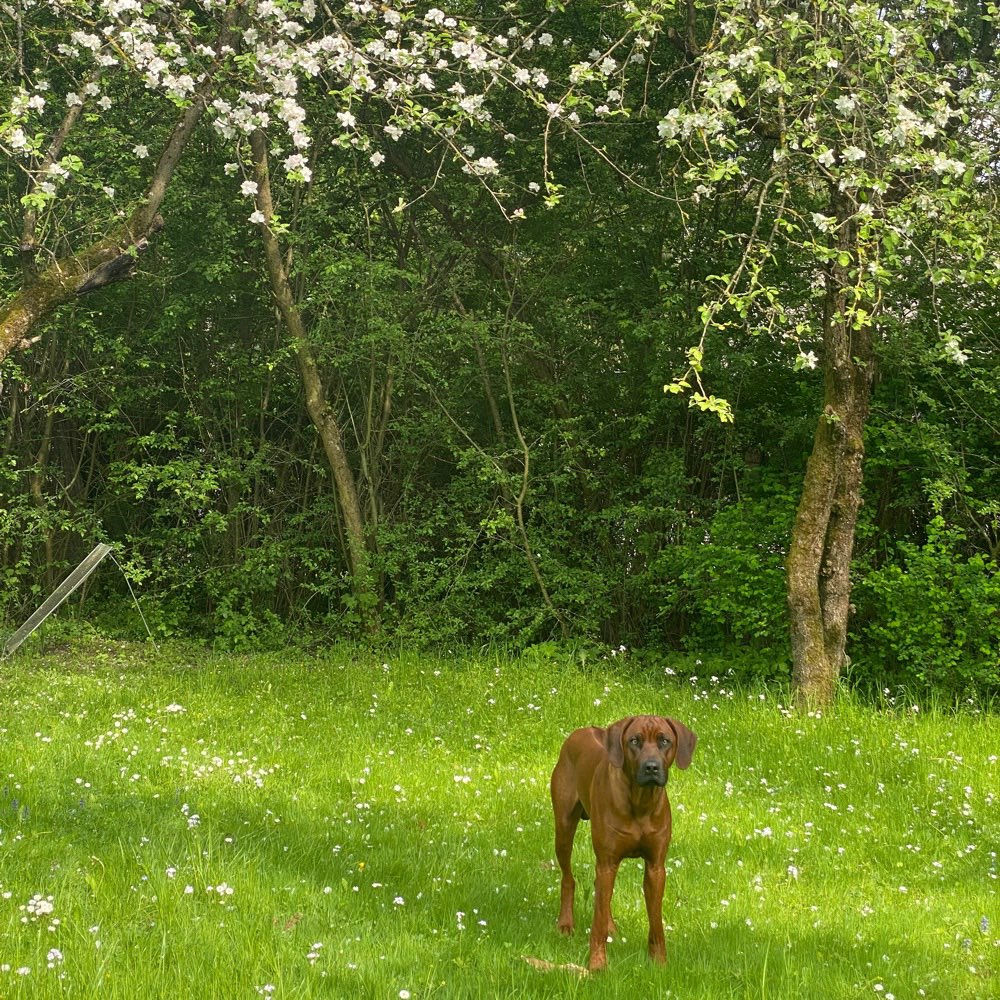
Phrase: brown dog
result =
(615, 777)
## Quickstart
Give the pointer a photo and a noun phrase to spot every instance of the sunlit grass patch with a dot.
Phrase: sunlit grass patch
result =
(351, 825)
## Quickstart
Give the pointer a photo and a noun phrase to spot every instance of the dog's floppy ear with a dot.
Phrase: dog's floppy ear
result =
(685, 743)
(613, 741)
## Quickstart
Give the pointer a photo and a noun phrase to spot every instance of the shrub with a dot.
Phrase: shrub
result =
(733, 575)
(931, 621)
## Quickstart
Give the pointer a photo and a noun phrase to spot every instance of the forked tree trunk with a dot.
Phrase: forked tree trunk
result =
(819, 556)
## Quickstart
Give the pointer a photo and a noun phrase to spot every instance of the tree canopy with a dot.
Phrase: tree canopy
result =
(360, 317)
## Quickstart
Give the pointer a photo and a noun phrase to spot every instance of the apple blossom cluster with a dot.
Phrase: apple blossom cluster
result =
(369, 73)
(860, 99)
(863, 116)
(90, 45)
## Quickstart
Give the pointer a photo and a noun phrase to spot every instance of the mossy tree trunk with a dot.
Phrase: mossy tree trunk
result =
(105, 261)
(819, 557)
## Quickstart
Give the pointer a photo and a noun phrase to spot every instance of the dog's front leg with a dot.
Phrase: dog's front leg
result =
(652, 888)
(604, 886)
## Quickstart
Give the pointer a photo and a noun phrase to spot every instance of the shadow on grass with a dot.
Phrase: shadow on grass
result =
(437, 905)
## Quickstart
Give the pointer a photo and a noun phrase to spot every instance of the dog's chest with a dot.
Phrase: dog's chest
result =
(645, 834)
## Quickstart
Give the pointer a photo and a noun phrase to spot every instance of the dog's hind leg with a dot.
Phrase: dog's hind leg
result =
(567, 812)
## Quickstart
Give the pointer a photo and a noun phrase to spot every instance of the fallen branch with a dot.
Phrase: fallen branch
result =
(543, 966)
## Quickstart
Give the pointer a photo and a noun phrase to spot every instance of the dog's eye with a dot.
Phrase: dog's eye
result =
(664, 742)
(635, 741)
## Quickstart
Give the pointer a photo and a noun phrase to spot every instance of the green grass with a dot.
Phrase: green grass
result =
(383, 825)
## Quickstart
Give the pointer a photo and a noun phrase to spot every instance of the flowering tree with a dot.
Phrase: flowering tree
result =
(283, 85)
(864, 138)
(391, 72)
(853, 142)
(84, 215)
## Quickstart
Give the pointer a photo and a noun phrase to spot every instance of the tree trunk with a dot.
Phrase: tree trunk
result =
(320, 413)
(103, 262)
(819, 557)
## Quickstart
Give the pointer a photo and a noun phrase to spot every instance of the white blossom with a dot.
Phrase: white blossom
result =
(485, 166)
(951, 347)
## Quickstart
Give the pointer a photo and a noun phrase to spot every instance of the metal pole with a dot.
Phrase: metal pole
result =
(86, 567)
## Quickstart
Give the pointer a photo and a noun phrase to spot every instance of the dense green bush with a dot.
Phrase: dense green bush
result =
(930, 622)
(733, 577)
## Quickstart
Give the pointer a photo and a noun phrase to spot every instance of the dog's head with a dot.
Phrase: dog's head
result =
(646, 745)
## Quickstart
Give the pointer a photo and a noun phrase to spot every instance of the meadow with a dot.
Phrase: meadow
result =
(180, 823)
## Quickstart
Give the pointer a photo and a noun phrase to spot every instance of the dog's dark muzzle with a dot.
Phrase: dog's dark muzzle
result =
(651, 772)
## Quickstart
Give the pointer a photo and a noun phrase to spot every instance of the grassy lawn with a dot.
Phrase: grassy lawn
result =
(182, 824)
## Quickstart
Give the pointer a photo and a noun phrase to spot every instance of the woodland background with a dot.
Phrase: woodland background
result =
(499, 383)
